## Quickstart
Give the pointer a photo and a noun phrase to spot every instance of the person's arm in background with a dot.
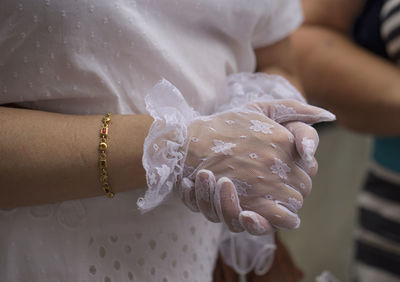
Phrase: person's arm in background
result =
(362, 89)
(278, 58)
(49, 157)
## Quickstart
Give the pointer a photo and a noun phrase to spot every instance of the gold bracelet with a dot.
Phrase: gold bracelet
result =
(103, 156)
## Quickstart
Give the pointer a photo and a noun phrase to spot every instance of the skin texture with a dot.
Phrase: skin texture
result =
(279, 59)
(49, 157)
(360, 88)
(335, 14)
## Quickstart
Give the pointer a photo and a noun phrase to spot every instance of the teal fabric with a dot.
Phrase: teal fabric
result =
(387, 152)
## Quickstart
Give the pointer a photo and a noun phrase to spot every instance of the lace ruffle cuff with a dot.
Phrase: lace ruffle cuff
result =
(244, 88)
(164, 146)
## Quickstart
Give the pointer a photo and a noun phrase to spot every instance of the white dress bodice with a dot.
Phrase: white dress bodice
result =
(102, 240)
(93, 57)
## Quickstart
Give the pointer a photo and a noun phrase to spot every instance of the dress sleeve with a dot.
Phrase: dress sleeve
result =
(283, 18)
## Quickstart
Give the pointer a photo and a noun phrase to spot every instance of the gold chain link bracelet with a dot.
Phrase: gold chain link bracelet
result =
(103, 156)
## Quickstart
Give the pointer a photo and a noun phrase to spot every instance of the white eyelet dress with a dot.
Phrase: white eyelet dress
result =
(98, 56)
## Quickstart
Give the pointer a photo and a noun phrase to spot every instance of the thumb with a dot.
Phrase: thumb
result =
(188, 195)
(289, 110)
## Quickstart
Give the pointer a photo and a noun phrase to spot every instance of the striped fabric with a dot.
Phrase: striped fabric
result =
(390, 29)
(377, 244)
(378, 234)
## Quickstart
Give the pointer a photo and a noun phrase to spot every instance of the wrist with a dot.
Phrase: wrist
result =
(126, 139)
(164, 146)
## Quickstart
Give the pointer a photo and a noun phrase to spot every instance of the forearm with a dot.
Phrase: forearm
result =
(48, 157)
(291, 76)
(362, 89)
(279, 59)
(338, 15)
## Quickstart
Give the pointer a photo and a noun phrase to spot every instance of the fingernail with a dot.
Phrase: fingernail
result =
(306, 165)
(224, 182)
(203, 175)
(286, 210)
(252, 222)
(327, 115)
(295, 204)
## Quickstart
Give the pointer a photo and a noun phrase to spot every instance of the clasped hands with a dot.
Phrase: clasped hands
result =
(251, 167)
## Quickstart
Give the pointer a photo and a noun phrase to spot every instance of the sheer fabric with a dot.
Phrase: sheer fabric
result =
(231, 144)
(93, 57)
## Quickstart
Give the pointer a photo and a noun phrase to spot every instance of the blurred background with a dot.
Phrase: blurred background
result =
(324, 239)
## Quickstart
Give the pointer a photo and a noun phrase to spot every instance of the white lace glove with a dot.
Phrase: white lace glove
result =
(166, 144)
(244, 168)
(164, 157)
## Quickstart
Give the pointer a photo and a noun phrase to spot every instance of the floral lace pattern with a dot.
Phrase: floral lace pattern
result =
(262, 127)
(281, 110)
(309, 148)
(280, 168)
(222, 147)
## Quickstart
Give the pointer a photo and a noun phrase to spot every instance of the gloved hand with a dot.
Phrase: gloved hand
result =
(258, 146)
(250, 167)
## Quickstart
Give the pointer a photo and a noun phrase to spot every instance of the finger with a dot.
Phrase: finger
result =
(293, 204)
(311, 168)
(292, 110)
(280, 192)
(288, 219)
(255, 224)
(278, 215)
(205, 188)
(188, 194)
(306, 138)
(292, 175)
(300, 180)
(226, 203)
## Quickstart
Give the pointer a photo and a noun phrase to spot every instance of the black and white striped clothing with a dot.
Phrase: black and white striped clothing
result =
(378, 231)
(390, 28)
(377, 247)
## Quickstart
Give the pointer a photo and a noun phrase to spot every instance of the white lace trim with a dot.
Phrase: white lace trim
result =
(244, 88)
(162, 158)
